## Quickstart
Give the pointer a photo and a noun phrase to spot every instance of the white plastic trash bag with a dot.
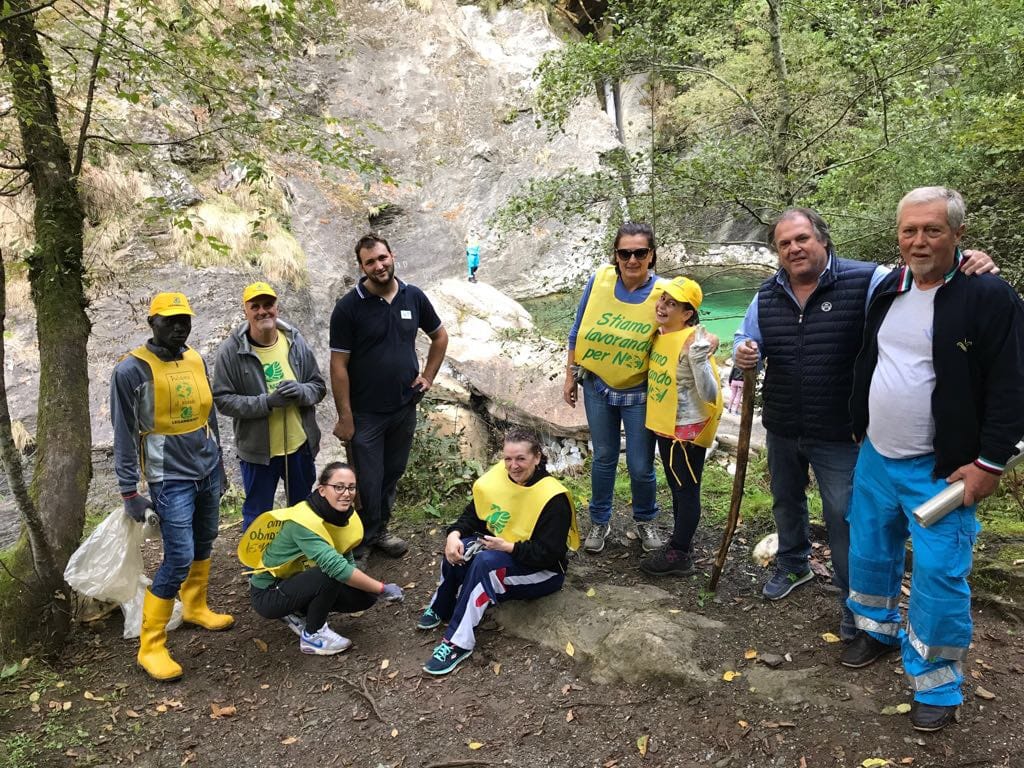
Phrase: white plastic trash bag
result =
(108, 564)
(132, 611)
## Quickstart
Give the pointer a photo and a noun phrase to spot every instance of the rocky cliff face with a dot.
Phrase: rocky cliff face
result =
(444, 95)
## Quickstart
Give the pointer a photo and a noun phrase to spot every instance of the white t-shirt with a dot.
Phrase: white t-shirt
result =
(900, 423)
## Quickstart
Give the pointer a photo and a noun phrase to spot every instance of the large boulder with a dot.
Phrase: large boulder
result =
(501, 358)
(633, 634)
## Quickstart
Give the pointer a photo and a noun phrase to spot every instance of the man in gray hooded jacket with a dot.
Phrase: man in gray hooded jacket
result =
(267, 380)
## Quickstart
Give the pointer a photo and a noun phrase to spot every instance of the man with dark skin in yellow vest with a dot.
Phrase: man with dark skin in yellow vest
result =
(165, 430)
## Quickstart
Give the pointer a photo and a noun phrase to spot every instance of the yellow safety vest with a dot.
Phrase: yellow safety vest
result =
(182, 399)
(614, 338)
(663, 389)
(257, 537)
(511, 511)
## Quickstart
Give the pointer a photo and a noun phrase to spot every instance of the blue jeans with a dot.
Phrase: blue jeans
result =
(260, 482)
(189, 513)
(833, 463)
(605, 422)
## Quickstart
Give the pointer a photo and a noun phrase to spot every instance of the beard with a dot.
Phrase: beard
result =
(383, 280)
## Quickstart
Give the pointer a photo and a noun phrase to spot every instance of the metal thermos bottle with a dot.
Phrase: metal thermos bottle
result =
(944, 502)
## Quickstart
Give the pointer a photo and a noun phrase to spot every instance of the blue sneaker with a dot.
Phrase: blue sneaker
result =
(445, 658)
(429, 620)
(782, 583)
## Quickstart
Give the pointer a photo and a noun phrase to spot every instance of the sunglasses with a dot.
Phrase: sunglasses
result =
(625, 254)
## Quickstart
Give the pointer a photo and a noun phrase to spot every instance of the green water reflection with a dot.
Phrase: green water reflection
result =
(727, 292)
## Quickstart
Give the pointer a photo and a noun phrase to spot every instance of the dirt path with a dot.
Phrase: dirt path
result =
(523, 704)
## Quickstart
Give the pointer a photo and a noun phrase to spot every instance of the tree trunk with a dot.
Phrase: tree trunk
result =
(780, 133)
(34, 600)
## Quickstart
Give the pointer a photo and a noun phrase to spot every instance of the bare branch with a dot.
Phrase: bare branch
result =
(83, 130)
(168, 143)
(26, 11)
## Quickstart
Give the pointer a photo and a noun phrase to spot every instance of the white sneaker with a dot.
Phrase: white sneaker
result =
(295, 623)
(324, 642)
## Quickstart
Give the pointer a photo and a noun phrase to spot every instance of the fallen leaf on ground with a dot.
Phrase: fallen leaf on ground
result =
(591, 592)
(289, 740)
(161, 708)
(217, 711)
(750, 654)
(565, 689)
(260, 644)
(743, 723)
(410, 585)
(34, 696)
(131, 713)
(66, 706)
(475, 744)
(88, 695)
(394, 733)
(729, 675)
(642, 743)
(906, 760)
(569, 716)
(984, 693)
(385, 664)
(569, 649)
(497, 668)
(874, 762)
(264, 686)
(828, 637)
(803, 762)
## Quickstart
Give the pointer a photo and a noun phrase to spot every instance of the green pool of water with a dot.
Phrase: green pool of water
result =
(727, 293)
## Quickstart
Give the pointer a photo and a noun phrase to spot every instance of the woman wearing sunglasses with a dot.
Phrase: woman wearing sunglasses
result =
(684, 406)
(302, 562)
(608, 352)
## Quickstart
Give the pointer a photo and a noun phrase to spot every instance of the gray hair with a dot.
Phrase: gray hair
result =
(818, 225)
(955, 209)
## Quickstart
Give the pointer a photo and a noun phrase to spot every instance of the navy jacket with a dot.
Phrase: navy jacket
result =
(810, 351)
(978, 354)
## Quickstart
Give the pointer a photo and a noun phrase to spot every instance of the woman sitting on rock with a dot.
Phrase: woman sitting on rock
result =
(511, 543)
(302, 563)
(684, 406)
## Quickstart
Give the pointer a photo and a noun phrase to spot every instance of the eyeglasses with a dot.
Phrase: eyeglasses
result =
(341, 488)
(625, 254)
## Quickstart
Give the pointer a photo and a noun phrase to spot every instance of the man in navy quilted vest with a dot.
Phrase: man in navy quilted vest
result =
(806, 324)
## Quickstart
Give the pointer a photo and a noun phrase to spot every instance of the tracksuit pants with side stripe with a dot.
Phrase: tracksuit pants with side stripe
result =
(491, 577)
(938, 633)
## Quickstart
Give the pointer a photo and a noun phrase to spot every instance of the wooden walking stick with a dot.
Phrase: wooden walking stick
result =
(742, 453)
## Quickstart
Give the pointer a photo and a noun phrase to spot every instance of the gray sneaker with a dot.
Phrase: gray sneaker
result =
(650, 539)
(594, 542)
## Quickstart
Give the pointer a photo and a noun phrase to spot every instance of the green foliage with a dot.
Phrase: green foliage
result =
(843, 106)
(438, 482)
(17, 751)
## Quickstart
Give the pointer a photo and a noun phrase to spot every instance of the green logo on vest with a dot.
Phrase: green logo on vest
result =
(187, 414)
(182, 390)
(273, 372)
(498, 519)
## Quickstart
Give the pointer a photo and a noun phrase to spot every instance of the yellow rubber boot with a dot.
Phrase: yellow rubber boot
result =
(193, 599)
(153, 655)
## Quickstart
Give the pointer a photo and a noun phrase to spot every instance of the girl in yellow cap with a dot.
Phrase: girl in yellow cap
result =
(684, 406)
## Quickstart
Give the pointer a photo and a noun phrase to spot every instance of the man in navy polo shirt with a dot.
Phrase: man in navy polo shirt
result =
(376, 380)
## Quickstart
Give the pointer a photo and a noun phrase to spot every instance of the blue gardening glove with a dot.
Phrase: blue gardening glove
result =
(135, 506)
(289, 388)
(392, 593)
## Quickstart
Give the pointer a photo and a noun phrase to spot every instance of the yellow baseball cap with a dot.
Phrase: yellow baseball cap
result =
(684, 289)
(169, 304)
(257, 289)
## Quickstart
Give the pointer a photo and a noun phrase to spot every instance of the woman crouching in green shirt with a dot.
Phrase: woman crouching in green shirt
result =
(302, 563)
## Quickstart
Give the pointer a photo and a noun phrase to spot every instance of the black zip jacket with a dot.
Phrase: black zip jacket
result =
(978, 354)
(547, 547)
